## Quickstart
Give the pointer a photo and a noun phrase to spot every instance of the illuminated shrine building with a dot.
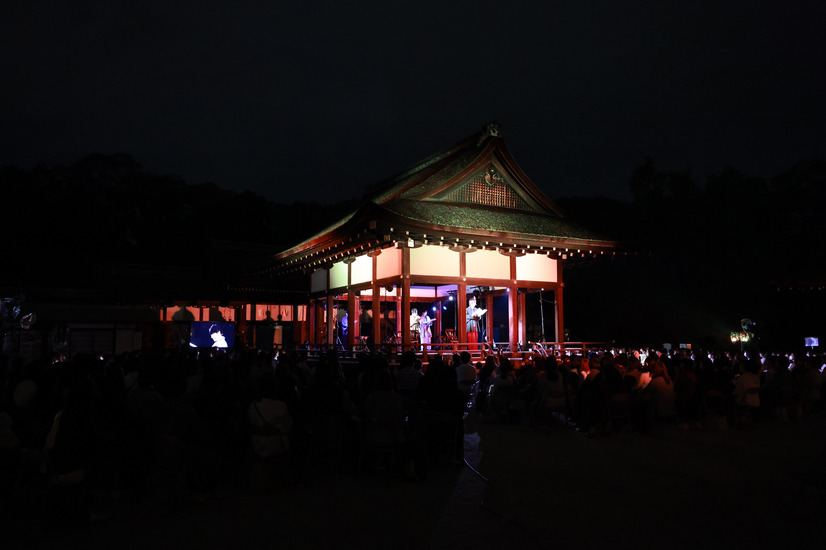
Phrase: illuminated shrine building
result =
(466, 221)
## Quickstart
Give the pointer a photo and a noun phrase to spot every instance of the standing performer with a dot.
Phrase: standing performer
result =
(473, 317)
(414, 319)
(425, 333)
(414, 324)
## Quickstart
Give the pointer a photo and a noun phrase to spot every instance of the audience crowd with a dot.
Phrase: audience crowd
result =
(76, 432)
(608, 391)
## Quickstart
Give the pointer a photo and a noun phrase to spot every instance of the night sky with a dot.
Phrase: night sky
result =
(317, 100)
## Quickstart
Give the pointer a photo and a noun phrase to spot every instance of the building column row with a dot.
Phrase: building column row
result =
(517, 325)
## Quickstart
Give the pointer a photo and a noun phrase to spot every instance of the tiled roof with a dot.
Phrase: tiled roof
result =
(484, 220)
(423, 197)
(442, 172)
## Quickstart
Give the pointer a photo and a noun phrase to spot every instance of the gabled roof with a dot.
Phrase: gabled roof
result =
(477, 170)
(473, 192)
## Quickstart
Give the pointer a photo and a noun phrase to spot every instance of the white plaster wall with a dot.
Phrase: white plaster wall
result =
(338, 275)
(389, 263)
(361, 271)
(487, 263)
(536, 267)
(434, 260)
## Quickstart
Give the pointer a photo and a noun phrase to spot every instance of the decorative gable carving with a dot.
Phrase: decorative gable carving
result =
(488, 188)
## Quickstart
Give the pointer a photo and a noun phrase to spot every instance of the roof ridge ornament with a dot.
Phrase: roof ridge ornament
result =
(491, 177)
(491, 129)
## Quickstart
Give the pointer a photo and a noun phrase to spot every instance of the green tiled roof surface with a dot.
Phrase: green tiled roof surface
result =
(473, 217)
(405, 199)
(450, 166)
(447, 172)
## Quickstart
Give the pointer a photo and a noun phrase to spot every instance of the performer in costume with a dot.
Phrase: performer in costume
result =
(344, 323)
(414, 324)
(414, 319)
(473, 317)
(425, 333)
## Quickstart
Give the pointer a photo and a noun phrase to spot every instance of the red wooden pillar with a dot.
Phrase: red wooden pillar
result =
(461, 300)
(352, 318)
(461, 312)
(331, 322)
(298, 327)
(358, 315)
(377, 320)
(437, 325)
(558, 311)
(404, 314)
(376, 315)
(311, 321)
(513, 322)
(250, 328)
(558, 317)
(513, 308)
(400, 323)
(489, 317)
(321, 322)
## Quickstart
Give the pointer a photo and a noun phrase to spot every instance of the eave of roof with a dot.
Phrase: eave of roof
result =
(494, 222)
(407, 206)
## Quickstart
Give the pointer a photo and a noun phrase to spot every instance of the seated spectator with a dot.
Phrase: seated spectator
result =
(631, 378)
(592, 398)
(406, 376)
(384, 423)
(551, 393)
(270, 425)
(747, 391)
(485, 376)
(659, 395)
(466, 375)
(526, 379)
(439, 388)
(329, 395)
(269, 420)
(439, 409)
(808, 381)
(502, 397)
(685, 392)
(777, 391)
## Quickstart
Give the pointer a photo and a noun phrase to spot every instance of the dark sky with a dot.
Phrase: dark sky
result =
(317, 100)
